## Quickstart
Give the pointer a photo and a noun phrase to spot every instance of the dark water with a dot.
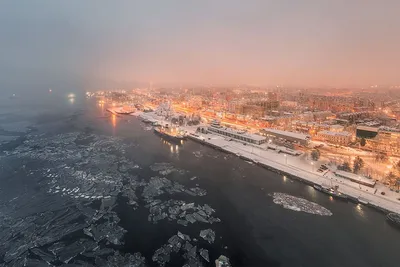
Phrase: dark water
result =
(253, 230)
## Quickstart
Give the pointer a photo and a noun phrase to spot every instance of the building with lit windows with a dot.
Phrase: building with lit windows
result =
(341, 138)
(299, 138)
(242, 136)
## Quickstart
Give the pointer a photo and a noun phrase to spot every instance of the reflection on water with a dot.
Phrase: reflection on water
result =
(174, 148)
(311, 191)
(360, 210)
(114, 120)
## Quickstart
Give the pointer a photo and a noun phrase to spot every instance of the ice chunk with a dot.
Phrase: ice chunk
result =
(71, 251)
(44, 255)
(187, 206)
(222, 261)
(183, 222)
(208, 235)
(135, 260)
(183, 236)
(98, 252)
(162, 255)
(204, 253)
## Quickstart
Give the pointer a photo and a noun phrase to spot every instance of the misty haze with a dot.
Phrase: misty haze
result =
(199, 133)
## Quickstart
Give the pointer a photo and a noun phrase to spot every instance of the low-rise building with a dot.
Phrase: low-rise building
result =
(355, 178)
(272, 134)
(342, 138)
(336, 128)
(238, 135)
(380, 139)
(366, 132)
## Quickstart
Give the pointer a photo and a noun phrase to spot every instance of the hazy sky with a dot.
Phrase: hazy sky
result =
(287, 42)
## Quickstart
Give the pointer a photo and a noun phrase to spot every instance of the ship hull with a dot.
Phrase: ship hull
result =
(329, 192)
(176, 139)
(393, 219)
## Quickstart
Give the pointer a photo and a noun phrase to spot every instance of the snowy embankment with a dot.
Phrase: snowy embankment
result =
(302, 169)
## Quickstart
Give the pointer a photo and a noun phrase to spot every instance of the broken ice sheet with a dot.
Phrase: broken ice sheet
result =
(108, 229)
(176, 243)
(80, 169)
(44, 255)
(164, 168)
(183, 213)
(135, 260)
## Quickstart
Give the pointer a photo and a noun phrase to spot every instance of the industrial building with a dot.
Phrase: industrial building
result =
(355, 178)
(242, 136)
(299, 138)
(342, 138)
(380, 139)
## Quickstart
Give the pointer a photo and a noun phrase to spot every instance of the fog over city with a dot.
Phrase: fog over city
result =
(312, 43)
(208, 133)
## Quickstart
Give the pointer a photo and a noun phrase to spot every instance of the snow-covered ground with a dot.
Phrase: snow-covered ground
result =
(307, 170)
(298, 166)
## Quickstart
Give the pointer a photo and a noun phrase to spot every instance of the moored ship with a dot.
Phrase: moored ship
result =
(332, 191)
(394, 219)
(169, 133)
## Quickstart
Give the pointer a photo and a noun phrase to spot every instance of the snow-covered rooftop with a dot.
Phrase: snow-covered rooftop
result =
(287, 133)
(335, 133)
(355, 177)
(241, 133)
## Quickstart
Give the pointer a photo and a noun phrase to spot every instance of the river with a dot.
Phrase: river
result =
(253, 230)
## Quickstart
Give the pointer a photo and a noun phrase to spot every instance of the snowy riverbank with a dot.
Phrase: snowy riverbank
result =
(278, 159)
(300, 168)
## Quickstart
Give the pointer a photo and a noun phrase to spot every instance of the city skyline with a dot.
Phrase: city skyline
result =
(311, 43)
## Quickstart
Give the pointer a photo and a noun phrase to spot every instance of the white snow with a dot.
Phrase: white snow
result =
(300, 167)
(297, 166)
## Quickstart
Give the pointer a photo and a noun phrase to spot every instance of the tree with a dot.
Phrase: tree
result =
(344, 167)
(315, 154)
(358, 164)
(363, 142)
(390, 176)
(398, 166)
(381, 157)
(398, 183)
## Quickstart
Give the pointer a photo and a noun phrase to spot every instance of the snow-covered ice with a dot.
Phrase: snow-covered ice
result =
(300, 204)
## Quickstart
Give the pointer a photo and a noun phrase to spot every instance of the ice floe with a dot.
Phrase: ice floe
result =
(300, 204)
(208, 235)
(76, 171)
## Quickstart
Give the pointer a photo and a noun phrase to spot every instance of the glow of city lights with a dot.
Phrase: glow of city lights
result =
(114, 120)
